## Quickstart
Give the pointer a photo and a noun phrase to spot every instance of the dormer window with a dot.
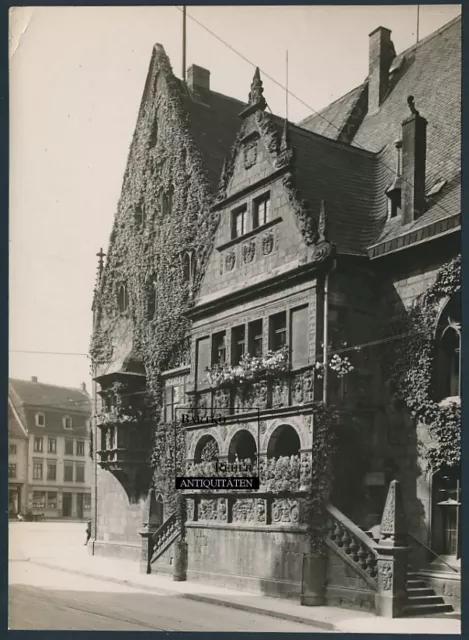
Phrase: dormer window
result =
(261, 211)
(238, 222)
(123, 298)
(67, 422)
(393, 209)
(40, 420)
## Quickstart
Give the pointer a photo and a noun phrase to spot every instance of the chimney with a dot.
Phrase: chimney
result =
(381, 54)
(414, 151)
(198, 78)
(83, 386)
(33, 378)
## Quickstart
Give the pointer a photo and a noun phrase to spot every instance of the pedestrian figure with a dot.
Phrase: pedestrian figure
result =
(20, 517)
(88, 531)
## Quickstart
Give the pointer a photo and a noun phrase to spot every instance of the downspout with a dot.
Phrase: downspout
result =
(325, 349)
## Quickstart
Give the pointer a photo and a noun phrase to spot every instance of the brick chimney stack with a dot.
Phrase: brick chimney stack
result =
(33, 378)
(381, 55)
(414, 152)
(198, 78)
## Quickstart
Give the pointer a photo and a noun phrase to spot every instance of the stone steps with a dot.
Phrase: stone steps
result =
(422, 599)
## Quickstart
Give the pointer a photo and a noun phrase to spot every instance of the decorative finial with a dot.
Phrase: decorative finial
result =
(257, 89)
(410, 102)
(100, 255)
(322, 224)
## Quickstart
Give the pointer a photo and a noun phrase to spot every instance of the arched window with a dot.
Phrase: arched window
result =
(206, 449)
(448, 360)
(242, 447)
(284, 442)
(123, 298)
(188, 265)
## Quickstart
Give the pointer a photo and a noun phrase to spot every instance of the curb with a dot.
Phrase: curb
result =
(291, 617)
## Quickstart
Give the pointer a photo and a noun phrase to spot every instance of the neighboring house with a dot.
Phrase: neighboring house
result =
(238, 232)
(56, 467)
(17, 463)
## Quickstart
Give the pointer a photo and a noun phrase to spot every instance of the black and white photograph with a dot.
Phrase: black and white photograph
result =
(234, 395)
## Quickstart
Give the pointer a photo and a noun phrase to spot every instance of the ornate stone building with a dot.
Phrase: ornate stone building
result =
(257, 268)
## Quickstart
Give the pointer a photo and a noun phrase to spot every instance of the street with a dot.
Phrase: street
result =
(43, 598)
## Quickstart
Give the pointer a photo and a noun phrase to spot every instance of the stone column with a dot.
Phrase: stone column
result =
(314, 580)
(393, 553)
(147, 547)
(180, 560)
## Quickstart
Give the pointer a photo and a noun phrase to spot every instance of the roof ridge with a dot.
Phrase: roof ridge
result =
(49, 384)
(430, 36)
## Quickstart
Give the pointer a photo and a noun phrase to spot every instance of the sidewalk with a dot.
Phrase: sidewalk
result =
(328, 618)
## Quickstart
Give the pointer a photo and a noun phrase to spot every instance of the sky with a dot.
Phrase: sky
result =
(76, 79)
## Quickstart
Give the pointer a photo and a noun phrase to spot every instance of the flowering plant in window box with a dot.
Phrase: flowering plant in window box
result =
(249, 368)
(338, 364)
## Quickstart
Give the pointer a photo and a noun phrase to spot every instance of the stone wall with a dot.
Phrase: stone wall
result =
(345, 587)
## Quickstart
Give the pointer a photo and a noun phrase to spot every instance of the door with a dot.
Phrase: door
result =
(67, 505)
(80, 498)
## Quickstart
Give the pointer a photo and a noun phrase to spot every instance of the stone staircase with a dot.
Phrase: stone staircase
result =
(422, 599)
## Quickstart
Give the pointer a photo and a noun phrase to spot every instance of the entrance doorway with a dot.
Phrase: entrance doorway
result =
(80, 502)
(14, 504)
(67, 505)
(446, 530)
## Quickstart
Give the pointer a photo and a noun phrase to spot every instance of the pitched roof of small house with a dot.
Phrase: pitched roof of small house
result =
(15, 428)
(26, 393)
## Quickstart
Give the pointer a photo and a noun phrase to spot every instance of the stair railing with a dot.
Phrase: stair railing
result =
(164, 536)
(353, 545)
(422, 544)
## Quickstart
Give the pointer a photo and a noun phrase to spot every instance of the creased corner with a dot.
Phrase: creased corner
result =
(19, 20)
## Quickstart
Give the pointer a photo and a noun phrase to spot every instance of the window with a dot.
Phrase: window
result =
(39, 499)
(38, 444)
(67, 422)
(69, 447)
(238, 223)
(152, 304)
(122, 298)
(166, 202)
(52, 471)
(80, 473)
(203, 360)
(52, 500)
(173, 397)
(37, 470)
(238, 344)
(87, 502)
(449, 351)
(255, 337)
(12, 449)
(52, 445)
(80, 448)
(188, 265)
(278, 330)
(40, 420)
(299, 337)
(12, 470)
(68, 471)
(337, 327)
(219, 348)
(261, 211)
(393, 208)
(140, 215)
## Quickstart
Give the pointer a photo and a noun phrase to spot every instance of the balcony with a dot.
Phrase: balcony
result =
(287, 389)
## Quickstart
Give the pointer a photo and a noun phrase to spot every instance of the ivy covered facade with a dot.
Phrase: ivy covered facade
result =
(284, 297)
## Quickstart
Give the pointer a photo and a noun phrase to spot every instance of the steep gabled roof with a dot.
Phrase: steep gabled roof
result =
(431, 72)
(25, 393)
(16, 429)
